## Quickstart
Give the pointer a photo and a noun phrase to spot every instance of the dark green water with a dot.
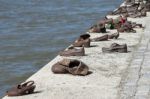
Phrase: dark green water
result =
(32, 32)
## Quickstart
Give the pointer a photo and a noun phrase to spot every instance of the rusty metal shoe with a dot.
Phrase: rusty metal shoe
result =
(82, 42)
(102, 38)
(138, 14)
(58, 68)
(94, 29)
(129, 2)
(98, 28)
(22, 89)
(113, 36)
(74, 67)
(133, 8)
(73, 52)
(120, 10)
(115, 48)
(77, 67)
(127, 28)
(135, 25)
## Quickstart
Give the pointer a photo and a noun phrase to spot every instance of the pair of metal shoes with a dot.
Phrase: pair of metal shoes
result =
(77, 48)
(70, 66)
(115, 48)
(137, 14)
(83, 40)
(126, 27)
(129, 2)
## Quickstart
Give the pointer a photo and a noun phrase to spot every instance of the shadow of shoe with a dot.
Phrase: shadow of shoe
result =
(120, 39)
(93, 45)
(36, 92)
(89, 72)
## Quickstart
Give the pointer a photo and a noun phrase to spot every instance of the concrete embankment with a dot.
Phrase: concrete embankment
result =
(114, 75)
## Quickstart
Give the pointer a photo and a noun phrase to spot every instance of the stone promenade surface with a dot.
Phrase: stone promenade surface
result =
(114, 75)
(135, 82)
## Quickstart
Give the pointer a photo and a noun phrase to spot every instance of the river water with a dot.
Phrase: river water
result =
(32, 32)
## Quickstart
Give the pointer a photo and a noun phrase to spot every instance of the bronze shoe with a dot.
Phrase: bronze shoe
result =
(22, 89)
(120, 10)
(135, 25)
(131, 9)
(115, 48)
(82, 42)
(126, 27)
(77, 68)
(58, 68)
(99, 28)
(113, 36)
(129, 2)
(102, 38)
(73, 52)
(138, 14)
(94, 29)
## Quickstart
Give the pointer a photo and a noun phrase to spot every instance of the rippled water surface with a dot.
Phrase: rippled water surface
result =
(32, 32)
